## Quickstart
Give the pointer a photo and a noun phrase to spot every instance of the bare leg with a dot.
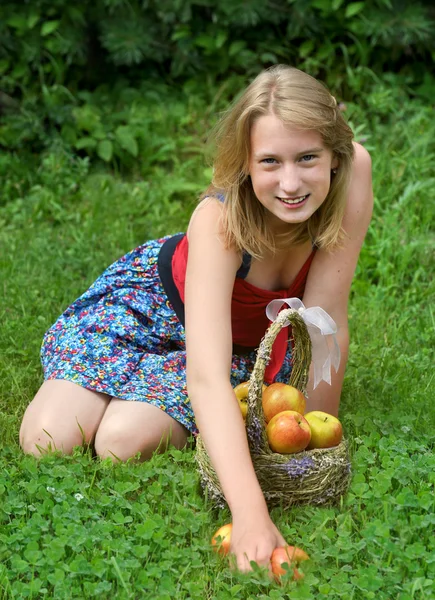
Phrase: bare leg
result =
(62, 415)
(131, 427)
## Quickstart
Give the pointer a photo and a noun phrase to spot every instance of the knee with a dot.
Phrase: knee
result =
(40, 434)
(113, 440)
(117, 442)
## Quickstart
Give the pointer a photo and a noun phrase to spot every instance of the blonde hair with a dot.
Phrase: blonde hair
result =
(298, 100)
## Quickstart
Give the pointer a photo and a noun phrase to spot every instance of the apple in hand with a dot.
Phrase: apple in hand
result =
(279, 397)
(222, 545)
(290, 555)
(326, 430)
(288, 432)
(241, 392)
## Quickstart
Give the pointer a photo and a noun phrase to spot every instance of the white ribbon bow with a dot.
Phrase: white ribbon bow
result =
(322, 330)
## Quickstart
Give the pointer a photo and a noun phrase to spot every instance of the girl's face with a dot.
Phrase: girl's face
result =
(290, 170)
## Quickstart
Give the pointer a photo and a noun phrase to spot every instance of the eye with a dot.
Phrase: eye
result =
(269, 161)
(308, 157)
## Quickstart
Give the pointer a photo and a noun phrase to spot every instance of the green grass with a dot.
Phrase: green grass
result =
(77, 527)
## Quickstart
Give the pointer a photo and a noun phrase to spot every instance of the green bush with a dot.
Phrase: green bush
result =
(129, 130)
(83, 45)
(93, 78)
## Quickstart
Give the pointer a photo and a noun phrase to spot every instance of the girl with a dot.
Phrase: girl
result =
(285, 216)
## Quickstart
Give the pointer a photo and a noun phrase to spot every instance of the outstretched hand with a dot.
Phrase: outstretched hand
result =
(254, 538)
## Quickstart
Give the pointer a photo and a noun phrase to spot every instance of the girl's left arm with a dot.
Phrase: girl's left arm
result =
(331, 275)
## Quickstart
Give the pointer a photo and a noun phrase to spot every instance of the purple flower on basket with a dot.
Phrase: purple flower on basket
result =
(255, 435)
(298, 467)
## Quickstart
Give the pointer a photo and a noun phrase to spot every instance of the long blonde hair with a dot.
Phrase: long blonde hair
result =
(300, 101)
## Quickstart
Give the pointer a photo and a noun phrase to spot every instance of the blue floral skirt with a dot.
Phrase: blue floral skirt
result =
(123, 338)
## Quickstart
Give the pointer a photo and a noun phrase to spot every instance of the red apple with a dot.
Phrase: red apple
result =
(279, 397)
(241, 392)
(290, 555)
(288, 432)
(221, 541)
(326, 430)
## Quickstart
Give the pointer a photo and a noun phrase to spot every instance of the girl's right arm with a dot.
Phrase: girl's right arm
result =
(210, 276)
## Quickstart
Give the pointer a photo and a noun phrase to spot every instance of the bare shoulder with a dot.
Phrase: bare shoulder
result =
(359, 205)
(206, 237)
(363, 159)
(209, 211)
(361, 177)
(208, 253)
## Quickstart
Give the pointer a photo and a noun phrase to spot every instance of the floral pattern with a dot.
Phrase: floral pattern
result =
(123, 338)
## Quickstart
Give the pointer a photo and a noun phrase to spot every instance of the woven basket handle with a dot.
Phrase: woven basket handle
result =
(255, 422)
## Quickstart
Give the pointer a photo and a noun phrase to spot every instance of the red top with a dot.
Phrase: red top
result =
(248, 308)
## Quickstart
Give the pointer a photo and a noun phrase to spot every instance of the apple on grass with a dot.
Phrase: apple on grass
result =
(241, 392)
(221, 541)
(279, 397)
(326, 430)
(292, 556)
(288, 432)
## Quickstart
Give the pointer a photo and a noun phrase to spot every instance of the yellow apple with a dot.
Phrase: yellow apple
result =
(241, 392)
(288, 432)
(326, 430)
(279, 397)
(221, 541)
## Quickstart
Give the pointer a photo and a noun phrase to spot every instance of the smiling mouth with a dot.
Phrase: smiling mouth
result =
(294, 200)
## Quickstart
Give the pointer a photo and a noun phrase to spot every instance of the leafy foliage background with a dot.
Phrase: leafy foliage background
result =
(79, 74)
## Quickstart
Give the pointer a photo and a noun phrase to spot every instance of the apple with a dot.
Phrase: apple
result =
(279, 397)
(221, 540)
(290, 555)
(241, 392)
(326, 430)
(288, 432)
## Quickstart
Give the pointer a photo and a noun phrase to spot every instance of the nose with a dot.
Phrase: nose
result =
(290, 179)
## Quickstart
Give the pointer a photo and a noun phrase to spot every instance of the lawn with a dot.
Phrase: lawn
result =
(77, 527)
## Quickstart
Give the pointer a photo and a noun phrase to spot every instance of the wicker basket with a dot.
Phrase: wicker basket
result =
(319, 476)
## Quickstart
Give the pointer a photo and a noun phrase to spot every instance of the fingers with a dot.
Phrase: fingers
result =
(242, 562)
(253, 543)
